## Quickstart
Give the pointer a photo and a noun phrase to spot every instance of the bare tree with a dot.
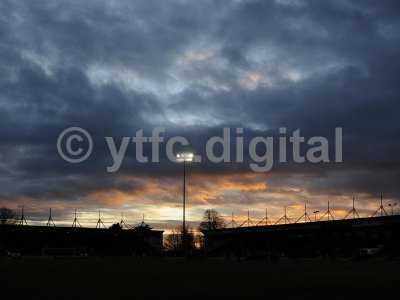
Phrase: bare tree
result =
(7, 215)
(211, 220)
(175, 240)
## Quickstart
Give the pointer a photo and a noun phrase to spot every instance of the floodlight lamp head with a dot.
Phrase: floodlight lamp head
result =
(184, 157)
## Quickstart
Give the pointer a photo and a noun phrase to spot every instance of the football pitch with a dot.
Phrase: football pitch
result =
(177, 278)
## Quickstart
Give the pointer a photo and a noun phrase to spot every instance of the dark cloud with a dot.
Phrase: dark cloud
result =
(116, 67)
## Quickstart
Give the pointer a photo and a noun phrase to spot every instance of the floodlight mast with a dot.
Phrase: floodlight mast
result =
(184, 157)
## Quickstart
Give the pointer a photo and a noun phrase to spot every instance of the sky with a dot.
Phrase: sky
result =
(195, 67)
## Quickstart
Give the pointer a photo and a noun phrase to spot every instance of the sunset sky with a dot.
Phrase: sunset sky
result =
(113, 67)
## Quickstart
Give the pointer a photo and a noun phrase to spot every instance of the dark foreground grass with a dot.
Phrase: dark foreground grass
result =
(149, 278)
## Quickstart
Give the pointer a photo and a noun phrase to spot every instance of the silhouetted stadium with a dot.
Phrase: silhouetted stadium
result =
(78, 241)
(349, 237)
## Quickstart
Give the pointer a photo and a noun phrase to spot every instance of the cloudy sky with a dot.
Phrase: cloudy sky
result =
(195, 67)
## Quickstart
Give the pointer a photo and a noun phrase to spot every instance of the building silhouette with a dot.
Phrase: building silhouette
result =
(349, 237)
(51, 240)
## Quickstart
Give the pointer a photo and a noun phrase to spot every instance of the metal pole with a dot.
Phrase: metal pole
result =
(184, 198)
(329, 211)
(184, 246)
(285, 215)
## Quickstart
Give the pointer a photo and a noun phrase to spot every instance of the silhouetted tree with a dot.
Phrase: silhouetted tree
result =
(7, 215)
(211, 220)
(179, 239)
(173, 241)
